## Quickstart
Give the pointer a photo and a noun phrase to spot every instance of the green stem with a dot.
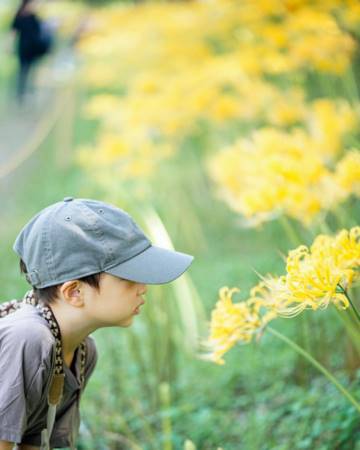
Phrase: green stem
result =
(289, 230)
(342, 216)
(350, 84)
(351, 303)
(325, 227)
(319, 366)
(164, 389)
(350, 327)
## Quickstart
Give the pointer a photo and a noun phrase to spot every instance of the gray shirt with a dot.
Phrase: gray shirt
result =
(27, 349)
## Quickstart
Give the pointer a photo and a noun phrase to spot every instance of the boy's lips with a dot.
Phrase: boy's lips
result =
(137, 309)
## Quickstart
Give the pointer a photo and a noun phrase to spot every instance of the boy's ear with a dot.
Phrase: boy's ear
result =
(71, 292)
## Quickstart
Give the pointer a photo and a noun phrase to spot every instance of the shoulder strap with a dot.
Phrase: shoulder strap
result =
(9, 307)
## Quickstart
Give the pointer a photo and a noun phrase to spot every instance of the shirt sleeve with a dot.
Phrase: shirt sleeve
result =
(23, 367)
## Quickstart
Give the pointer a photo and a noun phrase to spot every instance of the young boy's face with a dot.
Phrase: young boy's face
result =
(117, 301)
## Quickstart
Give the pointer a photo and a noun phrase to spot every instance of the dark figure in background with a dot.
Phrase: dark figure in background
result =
(33, 41)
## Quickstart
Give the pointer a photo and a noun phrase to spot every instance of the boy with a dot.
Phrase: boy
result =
(88, 264)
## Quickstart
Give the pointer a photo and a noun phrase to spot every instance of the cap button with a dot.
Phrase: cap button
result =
(68, 199)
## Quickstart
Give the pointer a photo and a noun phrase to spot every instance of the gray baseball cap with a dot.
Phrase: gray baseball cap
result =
(78, 237)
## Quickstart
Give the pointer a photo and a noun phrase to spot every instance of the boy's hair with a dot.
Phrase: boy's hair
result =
(48, 294)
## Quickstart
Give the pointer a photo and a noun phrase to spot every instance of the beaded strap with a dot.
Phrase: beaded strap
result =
(9, 307)
(46, 312)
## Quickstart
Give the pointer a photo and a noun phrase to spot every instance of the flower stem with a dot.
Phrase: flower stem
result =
(316, 364)
(350, 325)
(351, 303)
(289, 230)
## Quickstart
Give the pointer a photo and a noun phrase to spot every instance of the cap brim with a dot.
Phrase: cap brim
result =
(155, 265)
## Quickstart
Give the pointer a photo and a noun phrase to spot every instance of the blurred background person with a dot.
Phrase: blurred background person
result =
(34, 39)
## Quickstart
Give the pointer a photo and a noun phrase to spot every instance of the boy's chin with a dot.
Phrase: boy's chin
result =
(126, 323)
